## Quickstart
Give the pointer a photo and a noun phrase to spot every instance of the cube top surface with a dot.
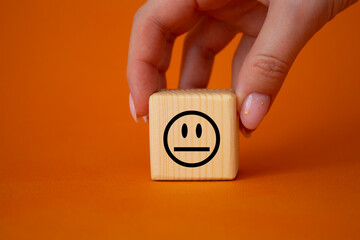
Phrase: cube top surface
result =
(193, 134)
(195, 93)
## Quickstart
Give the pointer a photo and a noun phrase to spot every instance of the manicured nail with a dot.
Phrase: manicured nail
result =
(254, 109)
(146, 118)
(132, 108)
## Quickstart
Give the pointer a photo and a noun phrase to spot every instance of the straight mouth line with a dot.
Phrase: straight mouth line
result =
(191, 149)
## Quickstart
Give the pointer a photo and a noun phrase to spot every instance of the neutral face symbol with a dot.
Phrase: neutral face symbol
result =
(188, 134)
(184, 132)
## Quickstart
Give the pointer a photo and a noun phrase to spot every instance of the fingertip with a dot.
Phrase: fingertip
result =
(245, 132)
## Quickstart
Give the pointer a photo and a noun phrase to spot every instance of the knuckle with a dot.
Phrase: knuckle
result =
(206, 52)
(270, 67)
(192, 43)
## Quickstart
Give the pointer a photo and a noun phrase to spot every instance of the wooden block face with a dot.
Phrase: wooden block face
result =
(194, 134)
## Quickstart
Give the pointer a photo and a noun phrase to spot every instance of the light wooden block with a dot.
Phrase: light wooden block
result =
(194, 134)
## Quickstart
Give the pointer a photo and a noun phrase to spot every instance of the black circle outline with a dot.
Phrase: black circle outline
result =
(166, 132)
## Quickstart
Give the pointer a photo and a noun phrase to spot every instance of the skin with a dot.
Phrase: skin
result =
(274, 32)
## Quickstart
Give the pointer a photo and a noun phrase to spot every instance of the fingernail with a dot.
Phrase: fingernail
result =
(132, 108)
(146, 118)
(254, 109)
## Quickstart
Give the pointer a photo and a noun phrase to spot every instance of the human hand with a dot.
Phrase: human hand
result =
(274, 32)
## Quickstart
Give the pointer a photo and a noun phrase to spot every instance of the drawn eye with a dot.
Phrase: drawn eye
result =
(184, 130)
(198, 130)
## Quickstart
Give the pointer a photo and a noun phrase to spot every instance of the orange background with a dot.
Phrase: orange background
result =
(73, 164)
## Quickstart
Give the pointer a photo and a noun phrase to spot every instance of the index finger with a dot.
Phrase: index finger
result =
(154, 29)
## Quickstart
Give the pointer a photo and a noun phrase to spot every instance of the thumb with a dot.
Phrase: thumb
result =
(286, 30)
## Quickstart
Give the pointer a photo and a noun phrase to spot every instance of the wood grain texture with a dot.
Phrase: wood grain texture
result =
(220, 106)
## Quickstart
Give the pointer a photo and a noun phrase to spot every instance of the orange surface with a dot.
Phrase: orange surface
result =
(73, 164)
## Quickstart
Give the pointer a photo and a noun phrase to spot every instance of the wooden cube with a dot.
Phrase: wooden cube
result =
(194, 134)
